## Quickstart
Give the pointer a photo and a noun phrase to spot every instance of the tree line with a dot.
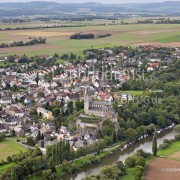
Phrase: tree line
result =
(21, 43)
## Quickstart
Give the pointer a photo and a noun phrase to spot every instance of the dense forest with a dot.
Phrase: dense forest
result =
(82, 36)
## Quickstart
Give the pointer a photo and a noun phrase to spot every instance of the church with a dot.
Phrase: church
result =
(99, 108)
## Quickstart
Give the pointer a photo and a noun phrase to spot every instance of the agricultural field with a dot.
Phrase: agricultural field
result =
(157, 169)
(9, 148)
(58, 38)
(170, 160)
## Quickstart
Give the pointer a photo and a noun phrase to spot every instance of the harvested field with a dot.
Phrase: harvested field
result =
(43, 34)
(156, 31)
(175, 156)
(162, 169)
(129, 35)
(26, 49)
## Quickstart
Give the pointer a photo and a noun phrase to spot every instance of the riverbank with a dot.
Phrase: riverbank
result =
(118, 155)
(91, 164)
(83, 162)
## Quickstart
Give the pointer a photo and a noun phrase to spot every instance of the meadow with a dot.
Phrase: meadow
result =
(174, 148)
(9, 148)
(58, 38)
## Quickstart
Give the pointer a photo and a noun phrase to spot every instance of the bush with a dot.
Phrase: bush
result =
(166, 141)
(177, 137)
(1, 137)
(9, 159)
(163, 146)
(130, 162)
(140, 162)
(3, 162)
(141, 153)
(138, 172)
(121, 166)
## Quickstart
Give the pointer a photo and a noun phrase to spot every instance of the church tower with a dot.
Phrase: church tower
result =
(87, 100)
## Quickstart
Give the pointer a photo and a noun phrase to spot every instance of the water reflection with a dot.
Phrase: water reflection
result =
(145, 144)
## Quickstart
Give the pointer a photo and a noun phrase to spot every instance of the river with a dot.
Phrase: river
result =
(145, 144)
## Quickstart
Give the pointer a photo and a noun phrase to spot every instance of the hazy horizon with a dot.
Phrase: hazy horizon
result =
(97, 1)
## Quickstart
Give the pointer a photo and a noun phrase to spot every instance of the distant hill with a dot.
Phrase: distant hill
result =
(53, 8)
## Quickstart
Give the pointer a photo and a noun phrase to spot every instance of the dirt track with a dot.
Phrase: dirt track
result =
(163, 169)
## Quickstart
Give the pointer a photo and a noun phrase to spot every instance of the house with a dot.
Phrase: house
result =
(34, 132)
(4, 128)
(16, 58)
(5, 100)
(12, 121)
(48, 125)
(19, 132)
(19, 113)
(3, 114)
(78, 144)
(117, 95)
(45, 113)
(63, 129)
(2, 58)
(48, 115)
(47, 57)
(126, 97)
(12, 110)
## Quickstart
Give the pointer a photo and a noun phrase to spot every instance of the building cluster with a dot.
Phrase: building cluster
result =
(25, 90)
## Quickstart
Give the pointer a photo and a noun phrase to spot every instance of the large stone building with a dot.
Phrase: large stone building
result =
(99, 108)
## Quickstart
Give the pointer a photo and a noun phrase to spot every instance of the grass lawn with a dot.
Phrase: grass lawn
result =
(4, 167)
(9, 148)
(133, 93)
(129, 175)
(174, 147)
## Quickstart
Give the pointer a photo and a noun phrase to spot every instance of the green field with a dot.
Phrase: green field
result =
(9, 148)
(133, 93)
(169, 39)
(173, 148)
(4, 167)
(58, 38)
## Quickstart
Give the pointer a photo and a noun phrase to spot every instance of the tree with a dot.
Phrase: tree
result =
(130, 162)
(140, 162)
(41, 94)
(37, 79)
(177, 129)
(79, 105)
(138, 172)
(154, 143)
(111, 172)
(30, 141)
(38, 136)
(131, 133)
(12, 132)
(70, 107)
(9, 159)
(1, 137)
(56, 111)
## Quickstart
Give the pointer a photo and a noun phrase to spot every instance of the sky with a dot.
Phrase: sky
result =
(98, 1)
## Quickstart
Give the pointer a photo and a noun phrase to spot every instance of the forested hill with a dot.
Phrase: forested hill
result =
(49, 8)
